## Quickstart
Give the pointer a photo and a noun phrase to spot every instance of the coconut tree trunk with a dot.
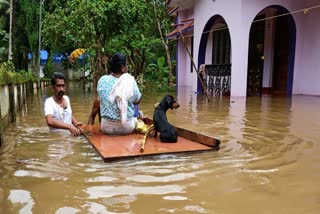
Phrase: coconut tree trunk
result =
(10, 31)
(166, 46)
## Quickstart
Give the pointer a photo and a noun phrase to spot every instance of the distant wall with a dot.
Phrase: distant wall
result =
(13, 97)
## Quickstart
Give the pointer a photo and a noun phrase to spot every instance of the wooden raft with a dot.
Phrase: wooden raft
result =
(121, 147)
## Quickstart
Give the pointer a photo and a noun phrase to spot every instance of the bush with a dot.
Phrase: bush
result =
(8, 75)
(7, 66)
(156, 76)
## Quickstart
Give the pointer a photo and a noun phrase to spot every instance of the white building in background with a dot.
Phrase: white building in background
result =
(249, 47)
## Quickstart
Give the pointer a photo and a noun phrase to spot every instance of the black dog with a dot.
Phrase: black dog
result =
(168, 133)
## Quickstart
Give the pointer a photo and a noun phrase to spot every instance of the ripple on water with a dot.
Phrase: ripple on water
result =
(169, 178)
(175, 198)
(101, 179)
(95, 192)
(96, 208)
(52, 169)
(69, 210)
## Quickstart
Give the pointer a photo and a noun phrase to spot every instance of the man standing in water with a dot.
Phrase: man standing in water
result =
(57, 108)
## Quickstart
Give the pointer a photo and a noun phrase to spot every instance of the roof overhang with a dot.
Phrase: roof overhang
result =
(179, 5)
(184, 4)
(183, 27)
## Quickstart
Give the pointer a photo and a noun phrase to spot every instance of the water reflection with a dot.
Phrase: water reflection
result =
(270, 152)
(22, 199)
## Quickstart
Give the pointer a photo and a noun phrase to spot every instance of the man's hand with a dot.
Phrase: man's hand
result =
(74, 130)
(79, 124)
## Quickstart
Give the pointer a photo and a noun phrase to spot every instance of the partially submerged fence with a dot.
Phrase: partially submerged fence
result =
(13, 97)
(217, 79)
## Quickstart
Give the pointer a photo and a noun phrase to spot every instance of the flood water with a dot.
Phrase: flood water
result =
(269, 161)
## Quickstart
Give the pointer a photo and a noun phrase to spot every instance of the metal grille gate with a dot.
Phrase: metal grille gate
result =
(218, 79)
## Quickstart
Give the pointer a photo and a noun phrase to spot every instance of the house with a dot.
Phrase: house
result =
(248, 47)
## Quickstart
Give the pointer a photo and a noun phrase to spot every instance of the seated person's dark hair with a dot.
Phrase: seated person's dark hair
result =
(57, 75)
(117, 60)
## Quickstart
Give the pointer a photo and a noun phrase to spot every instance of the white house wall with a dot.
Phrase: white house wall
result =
(185, 77)
(306, 67)
(307, 64)
(238, 29)
(238, 15)
(208, 59)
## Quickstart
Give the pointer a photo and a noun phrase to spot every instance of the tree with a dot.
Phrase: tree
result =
(10, 31)
(103, 27)
(163, 23)
(4, 37)
(79, 24)
(136, 27)
(25, 33)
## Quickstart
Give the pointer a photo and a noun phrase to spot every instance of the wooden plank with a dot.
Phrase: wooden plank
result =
(200, 138)
(111, 147)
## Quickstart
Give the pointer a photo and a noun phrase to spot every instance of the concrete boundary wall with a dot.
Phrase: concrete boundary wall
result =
(12, 99)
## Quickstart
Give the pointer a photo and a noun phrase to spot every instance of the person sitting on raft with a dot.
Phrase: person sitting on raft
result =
(118, 93)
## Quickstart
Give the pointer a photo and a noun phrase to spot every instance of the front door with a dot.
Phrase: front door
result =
(281, 56)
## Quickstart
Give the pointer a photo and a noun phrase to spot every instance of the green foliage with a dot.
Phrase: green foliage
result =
(25, 33)
(28, 20)
(105, 27)
(4, 37)
(7, 66)
(2, 2)
(7, 76)
(101, 27)
(76, 25)
(4, 7)
(157, 75)
(48, 68)
(159, 70)
(27, 75)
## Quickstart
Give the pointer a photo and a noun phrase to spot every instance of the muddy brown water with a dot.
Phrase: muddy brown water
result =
(269, 161)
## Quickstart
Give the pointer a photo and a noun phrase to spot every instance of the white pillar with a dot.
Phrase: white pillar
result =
(239, 58)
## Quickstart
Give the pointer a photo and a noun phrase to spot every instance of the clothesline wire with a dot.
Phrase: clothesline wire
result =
(304, 10)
